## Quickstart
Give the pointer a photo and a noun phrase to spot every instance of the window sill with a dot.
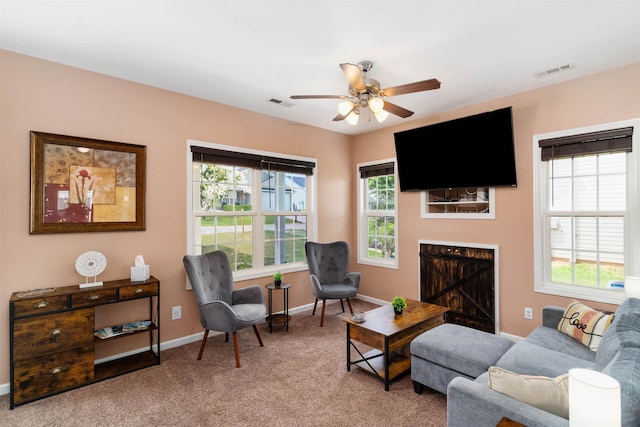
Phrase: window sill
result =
(267, 272)
(381, 263)
(582, 293)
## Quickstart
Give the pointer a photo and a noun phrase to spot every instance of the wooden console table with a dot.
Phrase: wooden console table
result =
(52, 337)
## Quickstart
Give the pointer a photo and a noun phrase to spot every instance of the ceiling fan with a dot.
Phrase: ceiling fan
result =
(366, 92)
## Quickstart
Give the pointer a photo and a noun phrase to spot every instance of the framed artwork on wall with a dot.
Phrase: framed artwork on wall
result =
(83, 185)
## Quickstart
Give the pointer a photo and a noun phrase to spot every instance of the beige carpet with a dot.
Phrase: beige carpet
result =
(298, 378)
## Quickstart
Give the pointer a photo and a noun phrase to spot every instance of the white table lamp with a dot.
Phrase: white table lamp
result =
(594, 399)
(632, 287)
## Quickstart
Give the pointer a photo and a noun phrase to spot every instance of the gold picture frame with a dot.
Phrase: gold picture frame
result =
(84, 185)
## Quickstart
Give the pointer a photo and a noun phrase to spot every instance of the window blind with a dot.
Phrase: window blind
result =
(257, 161)
(587, 143)
(376, 170)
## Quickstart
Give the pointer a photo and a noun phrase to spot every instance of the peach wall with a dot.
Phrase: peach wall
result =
(606, 97)
(48, 97)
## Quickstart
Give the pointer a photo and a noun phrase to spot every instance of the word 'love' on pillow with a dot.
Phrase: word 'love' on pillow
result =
(584, 324)
(548, 394)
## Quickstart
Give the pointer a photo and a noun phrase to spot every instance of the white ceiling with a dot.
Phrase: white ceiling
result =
(244, 53)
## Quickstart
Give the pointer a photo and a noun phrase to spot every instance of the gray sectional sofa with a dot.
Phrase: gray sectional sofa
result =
(546, 352)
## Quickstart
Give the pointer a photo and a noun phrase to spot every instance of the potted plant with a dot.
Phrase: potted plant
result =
(398, 304)
(277, 278)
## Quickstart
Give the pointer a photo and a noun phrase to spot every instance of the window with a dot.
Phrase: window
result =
(253, 205)
(587, 214)
(377, 214)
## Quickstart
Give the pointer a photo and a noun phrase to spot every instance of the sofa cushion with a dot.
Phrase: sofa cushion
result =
(549, 394)
(555, 340)
(628, 327)
(625, 368)
(530, 359)
(625, 330)
(629, 306)
(460, 348)
(584, 324)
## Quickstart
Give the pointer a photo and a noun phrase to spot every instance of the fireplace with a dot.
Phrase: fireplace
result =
(463, 279)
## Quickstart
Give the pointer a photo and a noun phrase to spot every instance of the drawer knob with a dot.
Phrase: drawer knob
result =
(55, 370)
(139, 291)
(56, 331)
(41, 304)
(94, 297)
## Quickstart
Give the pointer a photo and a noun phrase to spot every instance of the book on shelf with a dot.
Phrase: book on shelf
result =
(127, 328)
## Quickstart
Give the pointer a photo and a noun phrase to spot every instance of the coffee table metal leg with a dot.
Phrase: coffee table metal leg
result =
(386, 364)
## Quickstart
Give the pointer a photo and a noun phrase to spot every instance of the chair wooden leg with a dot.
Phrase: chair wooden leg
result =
(314, 307)
(237, 349)
(204, 341)
(342, 304)
(350, 308)
(324, 304)
(258, 335)
(226, 337)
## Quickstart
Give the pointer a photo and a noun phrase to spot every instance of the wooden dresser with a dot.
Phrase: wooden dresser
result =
(52, 337)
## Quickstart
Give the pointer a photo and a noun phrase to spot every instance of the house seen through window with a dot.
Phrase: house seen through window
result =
(587, 211)
(254, 207)
(377, 214)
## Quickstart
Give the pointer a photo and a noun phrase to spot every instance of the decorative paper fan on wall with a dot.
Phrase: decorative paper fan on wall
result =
(88, 264)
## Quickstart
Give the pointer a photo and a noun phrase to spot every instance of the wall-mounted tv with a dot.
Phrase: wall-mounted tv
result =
(473, 151)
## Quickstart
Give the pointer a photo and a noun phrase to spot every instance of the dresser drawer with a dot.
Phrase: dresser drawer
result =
(45, 375)
(52, 333)
(138, 291)
(93, 297)
(39, 305)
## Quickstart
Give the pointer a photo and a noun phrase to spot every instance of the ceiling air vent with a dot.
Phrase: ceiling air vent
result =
(280, 102)
(555, 70)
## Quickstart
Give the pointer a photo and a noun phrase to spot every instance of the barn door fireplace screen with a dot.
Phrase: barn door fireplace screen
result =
(463, 279)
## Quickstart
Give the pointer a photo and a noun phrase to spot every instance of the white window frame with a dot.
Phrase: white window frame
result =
(631, 223)
(311, 211)
(362, 227)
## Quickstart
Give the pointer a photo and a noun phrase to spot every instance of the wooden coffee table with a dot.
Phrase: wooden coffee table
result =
(389, 336)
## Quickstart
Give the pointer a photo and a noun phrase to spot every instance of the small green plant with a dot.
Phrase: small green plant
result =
(277, 277)
(398, 303)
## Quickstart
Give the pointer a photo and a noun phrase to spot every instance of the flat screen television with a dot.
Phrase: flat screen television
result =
(473, 151)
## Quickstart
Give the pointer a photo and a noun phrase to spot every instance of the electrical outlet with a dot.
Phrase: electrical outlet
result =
(176, 312)
(528, 313)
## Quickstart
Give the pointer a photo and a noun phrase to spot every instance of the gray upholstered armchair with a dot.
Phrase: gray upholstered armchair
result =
(221, 307)
(329, 274)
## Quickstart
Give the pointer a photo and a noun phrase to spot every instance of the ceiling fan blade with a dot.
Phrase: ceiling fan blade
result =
(354, 76)
(411, 88)
(319, 97)
(397, 110)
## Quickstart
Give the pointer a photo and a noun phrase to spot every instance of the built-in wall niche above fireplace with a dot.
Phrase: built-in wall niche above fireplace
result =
(462, 277)
(459, 203)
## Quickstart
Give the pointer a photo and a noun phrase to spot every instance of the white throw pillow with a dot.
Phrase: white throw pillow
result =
(548, 394)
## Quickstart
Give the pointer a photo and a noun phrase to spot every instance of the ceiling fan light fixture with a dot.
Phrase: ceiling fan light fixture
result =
(345, 107)
(352, 118)
(376, 104)
(381, 116)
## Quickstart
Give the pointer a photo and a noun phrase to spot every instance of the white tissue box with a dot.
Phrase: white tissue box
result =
(140, 274)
